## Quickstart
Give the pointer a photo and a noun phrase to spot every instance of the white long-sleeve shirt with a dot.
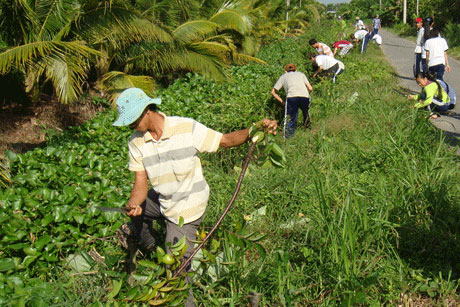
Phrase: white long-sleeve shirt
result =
(420, 40)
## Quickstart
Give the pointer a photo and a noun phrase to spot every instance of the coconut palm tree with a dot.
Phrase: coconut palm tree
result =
(38, 31)
(151, 46)
(115, 44)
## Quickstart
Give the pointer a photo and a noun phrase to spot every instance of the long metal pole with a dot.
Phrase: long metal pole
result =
(417, 8)
(405, 12)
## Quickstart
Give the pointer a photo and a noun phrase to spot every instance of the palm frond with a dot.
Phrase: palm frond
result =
(242, 59)
(21, 55)
(214, 48)
(249, 46)
(67, 75)
(4, 175)
(118, 33)
(115, 82)
(157, 59)
(231, 19)
(210, 66)
(313, 10)
(194, 30)
(55, 16)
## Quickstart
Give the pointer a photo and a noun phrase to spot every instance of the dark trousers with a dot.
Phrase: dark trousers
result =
(437, 108)
(419, 64)
(439, 70)
(333, 72)
(293, 104)
(145, 235)
(366, 40)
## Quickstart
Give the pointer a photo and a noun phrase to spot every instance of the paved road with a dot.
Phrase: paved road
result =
(400, 54)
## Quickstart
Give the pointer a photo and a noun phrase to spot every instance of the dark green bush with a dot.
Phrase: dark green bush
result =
(452, 34)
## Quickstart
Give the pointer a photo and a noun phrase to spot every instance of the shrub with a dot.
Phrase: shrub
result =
(404, 29)
(451, 33)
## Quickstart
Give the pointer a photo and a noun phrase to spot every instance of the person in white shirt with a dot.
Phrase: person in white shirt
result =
(364, 36)
(420, 41)
(297, 89)
(327, 64)
(436, 54)
(427, 27)
(321, 48)
(359, 25)
(358, 35)
(377, 39)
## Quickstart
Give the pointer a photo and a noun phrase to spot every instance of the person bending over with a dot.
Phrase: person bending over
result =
(298, 90)
(327, 65)
(321, 48)
(433, 96)
(344, 46)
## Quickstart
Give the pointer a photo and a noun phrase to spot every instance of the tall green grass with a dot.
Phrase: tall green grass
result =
(366, 209)
(349, 217)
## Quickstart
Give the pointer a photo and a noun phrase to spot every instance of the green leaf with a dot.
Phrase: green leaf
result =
(77, 263)
(148, 264)
(115, 289)
(28, 260)
(78, 217)
(181, 221)
(359, 298)
(6, 264)
(30, 251)
(11, 156)
(46, 220)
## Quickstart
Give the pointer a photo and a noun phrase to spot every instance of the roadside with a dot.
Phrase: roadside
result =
(400, 54)
(452, 52)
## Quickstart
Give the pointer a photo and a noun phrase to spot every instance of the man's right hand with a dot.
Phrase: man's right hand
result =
(138, 193)
(136, 210)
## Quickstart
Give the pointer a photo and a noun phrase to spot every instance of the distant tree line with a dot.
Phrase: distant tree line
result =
(444, 12)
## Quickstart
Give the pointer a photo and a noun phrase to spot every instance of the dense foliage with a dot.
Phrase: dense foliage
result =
(74, 45)
(364, 211)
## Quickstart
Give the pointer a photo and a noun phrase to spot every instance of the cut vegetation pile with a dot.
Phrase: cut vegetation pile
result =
(365, 212)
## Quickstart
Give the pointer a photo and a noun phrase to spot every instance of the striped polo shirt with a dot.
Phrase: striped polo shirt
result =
(173, 166)
(324, 49)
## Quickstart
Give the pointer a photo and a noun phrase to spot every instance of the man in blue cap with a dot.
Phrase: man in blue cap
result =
(164, 150)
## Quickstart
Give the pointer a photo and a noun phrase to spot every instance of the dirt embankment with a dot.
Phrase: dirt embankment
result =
(23, 128)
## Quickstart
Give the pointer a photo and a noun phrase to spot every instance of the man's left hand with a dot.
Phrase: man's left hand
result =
(270, 125)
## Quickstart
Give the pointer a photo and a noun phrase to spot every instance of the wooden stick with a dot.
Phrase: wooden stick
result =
(219, 221)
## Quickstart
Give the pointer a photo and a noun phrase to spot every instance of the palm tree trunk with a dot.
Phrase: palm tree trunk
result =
(288, 2)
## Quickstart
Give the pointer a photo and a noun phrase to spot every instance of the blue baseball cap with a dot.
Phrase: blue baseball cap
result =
(130, 105)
